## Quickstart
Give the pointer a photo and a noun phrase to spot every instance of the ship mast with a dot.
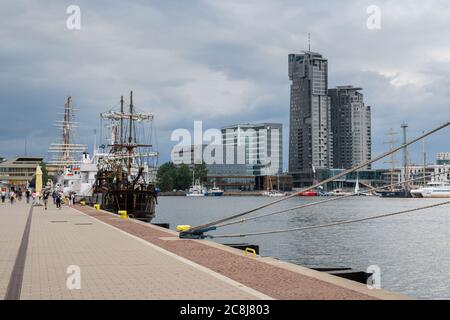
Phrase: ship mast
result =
(404, 126)
(130, 134)
(66, 151)
(124, 147)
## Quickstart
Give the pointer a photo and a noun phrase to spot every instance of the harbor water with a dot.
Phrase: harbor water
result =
(411, 250)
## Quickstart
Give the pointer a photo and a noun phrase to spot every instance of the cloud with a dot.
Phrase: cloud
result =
(221, 62)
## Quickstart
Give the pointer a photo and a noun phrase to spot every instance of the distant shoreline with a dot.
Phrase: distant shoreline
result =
(226, 194)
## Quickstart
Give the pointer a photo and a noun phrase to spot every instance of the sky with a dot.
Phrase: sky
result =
(220, 62)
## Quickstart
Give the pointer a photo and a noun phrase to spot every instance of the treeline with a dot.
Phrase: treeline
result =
(179, 177)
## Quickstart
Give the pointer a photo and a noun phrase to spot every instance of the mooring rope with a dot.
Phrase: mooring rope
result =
(342, 174)
(329, 224)
(307, 205)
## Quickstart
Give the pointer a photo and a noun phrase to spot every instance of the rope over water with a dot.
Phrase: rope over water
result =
(342, 174)
(307, 205)
(330, 224)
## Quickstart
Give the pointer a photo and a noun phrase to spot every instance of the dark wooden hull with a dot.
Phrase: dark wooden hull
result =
(139, 204)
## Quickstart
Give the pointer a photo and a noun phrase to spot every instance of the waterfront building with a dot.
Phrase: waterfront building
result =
(310, 135)
(351, 127)
(248, 153)
(443, 158)
(18, 171)
(257, 146)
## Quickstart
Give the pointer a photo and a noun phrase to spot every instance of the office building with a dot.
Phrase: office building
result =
(351, 127)
(310, 136)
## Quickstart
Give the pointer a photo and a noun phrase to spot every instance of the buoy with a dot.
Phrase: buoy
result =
(183, 227)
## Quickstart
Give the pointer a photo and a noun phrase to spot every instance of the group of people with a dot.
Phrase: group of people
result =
(56, 195)
(13, 195)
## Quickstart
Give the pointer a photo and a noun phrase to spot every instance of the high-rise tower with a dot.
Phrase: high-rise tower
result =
(310, 136)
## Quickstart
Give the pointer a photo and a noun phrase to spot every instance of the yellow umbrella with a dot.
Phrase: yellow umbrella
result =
(38, 181)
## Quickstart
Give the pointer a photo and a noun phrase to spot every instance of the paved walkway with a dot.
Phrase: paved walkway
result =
(127, 259)
(113, 264)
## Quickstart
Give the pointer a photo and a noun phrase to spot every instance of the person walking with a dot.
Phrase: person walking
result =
(12, 196)
(28, 195)
(54, 196)
(45, 198)
(3, 195)
(71, 199)
(58, 200)
(19, 195)
(33, 196)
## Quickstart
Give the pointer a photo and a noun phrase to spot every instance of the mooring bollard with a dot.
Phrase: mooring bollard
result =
(97, 206)
(250, 250)
(123, 214)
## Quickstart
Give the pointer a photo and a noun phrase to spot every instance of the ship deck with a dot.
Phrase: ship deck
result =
(127, 259)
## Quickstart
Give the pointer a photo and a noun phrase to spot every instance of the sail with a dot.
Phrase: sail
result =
(357, 185)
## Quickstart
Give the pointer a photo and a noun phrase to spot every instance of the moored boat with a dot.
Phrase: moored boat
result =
(436, 190)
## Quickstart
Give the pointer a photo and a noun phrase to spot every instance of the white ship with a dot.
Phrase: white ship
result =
(197, 190)
(433, 190)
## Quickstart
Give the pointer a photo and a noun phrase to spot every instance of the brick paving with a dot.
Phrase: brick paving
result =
(126, 259)
(275, 281)
(113, 264)
(12, 223)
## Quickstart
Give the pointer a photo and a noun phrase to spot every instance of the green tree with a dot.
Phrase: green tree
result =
(166, 182)
(45, 176)
(166, 176)
(201, 172)
(183, 177)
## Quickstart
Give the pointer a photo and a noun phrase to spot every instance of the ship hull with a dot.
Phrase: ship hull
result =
(139, 205)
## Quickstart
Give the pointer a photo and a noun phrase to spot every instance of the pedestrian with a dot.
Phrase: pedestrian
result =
(28, 195)
(12, 196)
(71, 199)
(19, 194)
(54, 196)
(45, 197)
(33, 196)
(58, 200)
(3, 195)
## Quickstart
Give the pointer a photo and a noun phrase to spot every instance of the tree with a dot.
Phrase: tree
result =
(201, 172)
(45, 176)
(166, 182)
(183, 177)
(165, 176)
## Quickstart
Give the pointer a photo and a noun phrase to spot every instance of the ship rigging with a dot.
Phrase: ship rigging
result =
(125, 176)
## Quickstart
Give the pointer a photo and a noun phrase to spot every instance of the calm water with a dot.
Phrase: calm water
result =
(412, 251)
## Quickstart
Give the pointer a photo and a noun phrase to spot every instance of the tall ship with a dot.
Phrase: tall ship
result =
(65, 153)
(126, 172)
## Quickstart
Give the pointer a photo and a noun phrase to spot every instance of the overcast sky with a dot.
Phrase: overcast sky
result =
(222, 62)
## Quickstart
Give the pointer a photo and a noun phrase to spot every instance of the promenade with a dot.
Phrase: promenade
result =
(126, 259)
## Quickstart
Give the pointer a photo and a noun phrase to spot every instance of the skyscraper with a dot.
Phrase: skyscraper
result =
(310, 136)
(351, 126)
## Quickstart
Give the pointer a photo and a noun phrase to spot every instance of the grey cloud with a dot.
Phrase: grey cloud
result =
(218, 61)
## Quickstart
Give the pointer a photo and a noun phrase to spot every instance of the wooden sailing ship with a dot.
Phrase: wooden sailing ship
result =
(124, 178)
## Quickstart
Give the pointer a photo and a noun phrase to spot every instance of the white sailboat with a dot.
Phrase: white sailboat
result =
(357, 185)
(271, 192)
